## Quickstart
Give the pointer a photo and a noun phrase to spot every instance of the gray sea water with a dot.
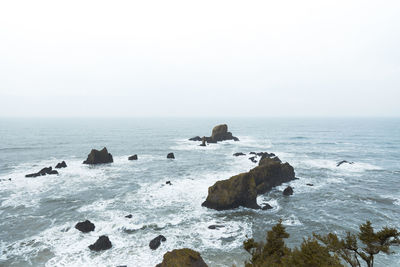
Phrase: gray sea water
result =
(37, 215)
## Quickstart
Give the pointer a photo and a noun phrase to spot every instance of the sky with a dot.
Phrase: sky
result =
(199, 58)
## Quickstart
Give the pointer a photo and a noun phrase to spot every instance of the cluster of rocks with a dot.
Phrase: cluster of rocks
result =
(219, 133)
(242, 189)
(42, 172)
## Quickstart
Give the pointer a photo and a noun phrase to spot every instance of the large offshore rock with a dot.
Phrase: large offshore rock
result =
(85, 227)
(242, 189)
(103, 243)
(184, 257)
(99, 157)
(219, 133)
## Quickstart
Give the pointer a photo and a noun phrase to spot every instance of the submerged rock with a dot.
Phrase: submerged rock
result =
(168, 183)
(156, 242)
(239, 154)
(196, 138)
(61, 165)
(310, 184)
(288, 191)
(184, 257)
(215, 226)
(103, 243)
(44, 171)
(170, 156)
(344, 161)
(129, 216)
(99, 157)
(242, 189)
(134, 157)
(85, 227)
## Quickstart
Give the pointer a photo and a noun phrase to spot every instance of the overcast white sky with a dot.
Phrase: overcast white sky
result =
(199, 58)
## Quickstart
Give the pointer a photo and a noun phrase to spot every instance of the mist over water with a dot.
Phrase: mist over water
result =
(37, 215)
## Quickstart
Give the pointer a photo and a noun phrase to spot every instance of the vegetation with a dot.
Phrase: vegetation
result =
(322, 250)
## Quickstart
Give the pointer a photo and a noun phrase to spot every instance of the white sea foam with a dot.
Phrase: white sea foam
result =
(292, 220)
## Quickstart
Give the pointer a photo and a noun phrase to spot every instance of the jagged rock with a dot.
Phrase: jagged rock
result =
(85, 227)
(129, 216)
(215, 226)
(203, 141)
(184, 257)
(344, 161)
(264, 155)
(99, 157)
(156, 242)
(267, 206)
(253, 159)
(103, 243)
(134, 157)
(288, 191)
(61, 165)
(44, 171)
(242, 189)
(168, 182)
(239, 154)
(170, 156)
(196, 138)
(310, 184)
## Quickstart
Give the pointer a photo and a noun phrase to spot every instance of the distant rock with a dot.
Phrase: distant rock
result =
(129, 216)
(239, 154)
(85, 227)
(61, 165)
(196, 138)
(170, 156)
(267, 206)
(156, 242)
(168, 183)
(134, 157)
(288, 191)
(215, 226)
(253, 153)
(184, 257)
(44, 171)
(344, 161)
(203, 141)
(310, 184)
(99, 157)
(103, 243)
(242, 189)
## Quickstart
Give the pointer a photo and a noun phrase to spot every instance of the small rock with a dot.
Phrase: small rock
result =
(344, 161)
(103, 243)
(310, 184)
(61, 165)
(134, 157)
(156, 242)
(267, 207)
(129, 216)
(170, 156)
(215, 226)
(85, 227)
(253, 159)
(168, 182)
(253, 153)
(239, 154)
(196, 138)
(53, 172)
(288, 191)
(203, 141)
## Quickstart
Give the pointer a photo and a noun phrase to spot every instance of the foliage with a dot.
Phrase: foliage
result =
(321, 250)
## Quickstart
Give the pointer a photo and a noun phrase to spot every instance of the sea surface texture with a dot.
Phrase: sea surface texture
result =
(38, 215)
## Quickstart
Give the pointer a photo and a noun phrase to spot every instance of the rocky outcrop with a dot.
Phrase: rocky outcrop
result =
(85, 227)
(44, 171)
(184, 257)
(343, 161)
(242, 189)
(61, 165)
(103, 243)
(99, 157)
(170, 156)
(219, 133)
(288, 191)
(156, 242)
(134, 157)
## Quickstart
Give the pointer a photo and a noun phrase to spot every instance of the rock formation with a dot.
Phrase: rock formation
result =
(288, 191)
(156, 242)
(184, 257)
(242, 189)
(61, 165)
(219, 133)
(239, 154)
(99, 157)
(85, 227)
(103, 243)
(170, 156)
(134, 157)
(42, 172)
(344, 161)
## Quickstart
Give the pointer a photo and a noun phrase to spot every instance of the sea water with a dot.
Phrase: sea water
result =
(38, 215)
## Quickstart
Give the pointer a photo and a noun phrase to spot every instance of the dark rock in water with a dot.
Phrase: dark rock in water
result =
(239, 154)
(253, 153)
(267, 207)
(42, 172)
(215, 226)
(242, 189)
(170, 156)
(129, 216)
(344, 161)
(61, 165)
(134, 157)
(288, 191)
(196, 138)
(203, 141)
(253, 159)
(168, 182)
(310, 184)
(184, 257)
(264, 155)
(156, 242)
(99, 157)
(85, 227)
(103, 243)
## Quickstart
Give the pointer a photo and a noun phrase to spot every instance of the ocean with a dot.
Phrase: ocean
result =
(38, 215)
